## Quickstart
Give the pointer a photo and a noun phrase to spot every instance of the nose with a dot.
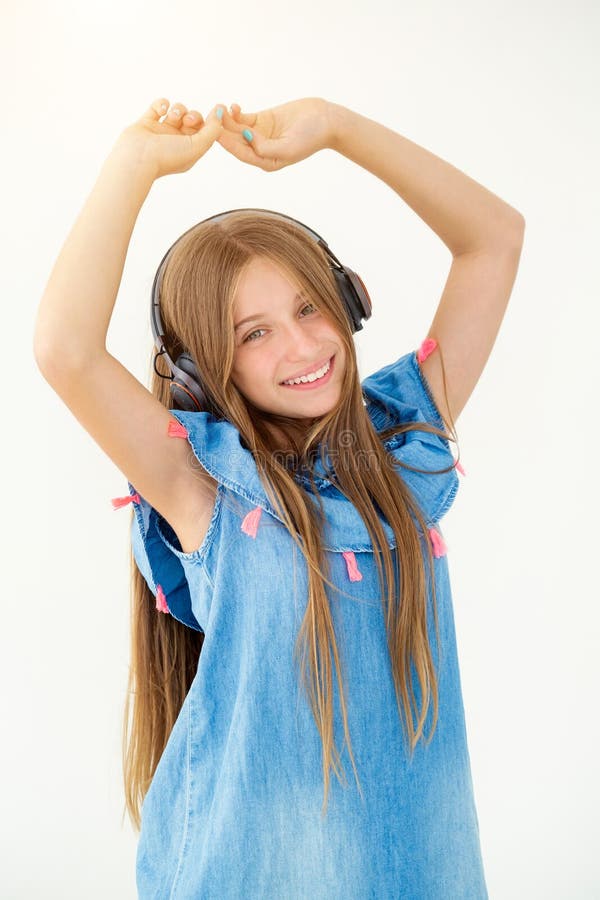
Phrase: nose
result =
(301, 344)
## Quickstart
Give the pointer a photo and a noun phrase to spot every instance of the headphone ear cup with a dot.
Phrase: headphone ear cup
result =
(186, 386)
(355, 298)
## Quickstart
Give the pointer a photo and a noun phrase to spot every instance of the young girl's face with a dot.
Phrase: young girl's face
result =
(287, 337)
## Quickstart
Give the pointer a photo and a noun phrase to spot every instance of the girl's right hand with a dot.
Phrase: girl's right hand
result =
(176, 143)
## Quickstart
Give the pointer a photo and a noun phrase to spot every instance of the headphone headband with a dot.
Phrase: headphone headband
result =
(186, 385)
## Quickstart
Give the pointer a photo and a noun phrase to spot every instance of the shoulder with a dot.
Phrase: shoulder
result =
(399, 389)
(396, 394)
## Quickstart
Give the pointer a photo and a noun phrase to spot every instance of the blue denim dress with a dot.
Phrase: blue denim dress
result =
(234, 807)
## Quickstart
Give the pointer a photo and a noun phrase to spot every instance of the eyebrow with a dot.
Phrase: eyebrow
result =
(299, 296)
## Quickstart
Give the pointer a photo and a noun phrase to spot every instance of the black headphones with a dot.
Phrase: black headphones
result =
(186, 387)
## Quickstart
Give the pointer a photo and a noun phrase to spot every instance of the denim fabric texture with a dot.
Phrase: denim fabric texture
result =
(234, 808)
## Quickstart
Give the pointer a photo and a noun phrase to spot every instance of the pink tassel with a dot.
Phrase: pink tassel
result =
(161, 600)
(426, 349)
(353, 570)
(439, 547)
(118, 502)
(460, 468)
(250, 523)
(176, 429)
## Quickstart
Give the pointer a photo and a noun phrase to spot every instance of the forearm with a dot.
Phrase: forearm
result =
(78, 301)
(464, 214)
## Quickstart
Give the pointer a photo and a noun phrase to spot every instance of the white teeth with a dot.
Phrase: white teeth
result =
(312, 376)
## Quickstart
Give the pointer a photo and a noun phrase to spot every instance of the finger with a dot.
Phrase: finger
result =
(238, 147)
(193, 117)
(208, 133)
(272, 153)
(156, 109)
(244, 137)
(239, 116)
(175, 115)
(231, 123)
(245, 152)
(192, 121)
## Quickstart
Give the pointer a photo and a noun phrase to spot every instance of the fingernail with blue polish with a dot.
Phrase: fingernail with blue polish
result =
(247, 134)
(219, 112)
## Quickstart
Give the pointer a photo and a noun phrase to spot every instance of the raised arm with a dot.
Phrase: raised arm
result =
(122, 416)
(79, 298)
(483, 233)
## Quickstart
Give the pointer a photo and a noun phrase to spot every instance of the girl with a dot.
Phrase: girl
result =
(285, 521)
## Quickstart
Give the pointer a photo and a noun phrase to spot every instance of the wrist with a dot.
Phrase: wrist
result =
(338, 125)
(130, 152)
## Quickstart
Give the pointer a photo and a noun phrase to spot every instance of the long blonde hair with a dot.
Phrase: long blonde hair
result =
(197, 295)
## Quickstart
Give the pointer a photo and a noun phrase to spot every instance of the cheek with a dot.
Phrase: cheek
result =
(240, 365)
(247, 373)
(237, 376)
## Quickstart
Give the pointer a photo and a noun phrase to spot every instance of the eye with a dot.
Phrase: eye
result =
(250, 337)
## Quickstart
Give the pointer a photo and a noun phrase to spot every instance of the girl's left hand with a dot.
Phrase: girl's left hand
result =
(278, 136)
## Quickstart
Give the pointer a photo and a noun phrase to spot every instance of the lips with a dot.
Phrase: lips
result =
(308, 371)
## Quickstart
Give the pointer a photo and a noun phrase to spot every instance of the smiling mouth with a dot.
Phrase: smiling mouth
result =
(327, 362)
(316, 383)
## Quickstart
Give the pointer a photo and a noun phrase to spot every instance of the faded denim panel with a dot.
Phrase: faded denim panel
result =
(234, 808)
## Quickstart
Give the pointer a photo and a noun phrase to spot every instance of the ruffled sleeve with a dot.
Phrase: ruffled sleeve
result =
(399, 393)
(159, 558)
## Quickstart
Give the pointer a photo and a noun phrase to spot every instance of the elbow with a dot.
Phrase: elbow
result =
(50, 357)
(56, 355)
(44, 346)
(42, 350)
(519, 228)
(46, 359)
(512, 235)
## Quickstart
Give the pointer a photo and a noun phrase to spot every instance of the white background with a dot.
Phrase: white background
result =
(505, 92)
